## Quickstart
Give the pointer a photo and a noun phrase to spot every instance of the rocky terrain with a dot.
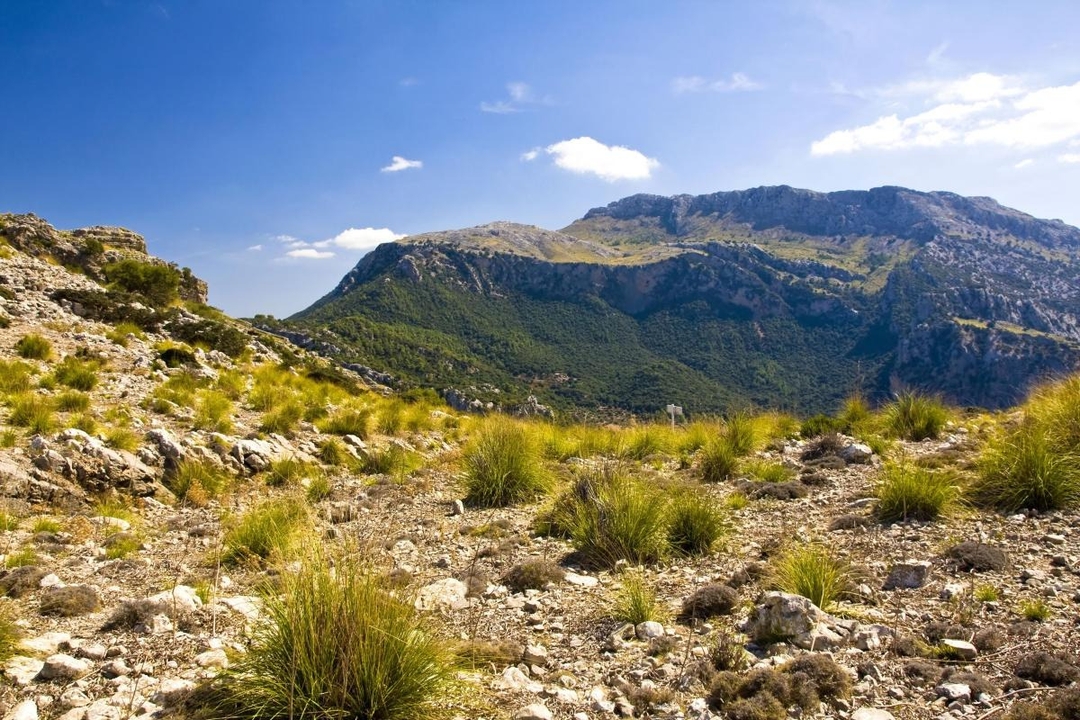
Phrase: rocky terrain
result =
(130, 589)
(723, 300)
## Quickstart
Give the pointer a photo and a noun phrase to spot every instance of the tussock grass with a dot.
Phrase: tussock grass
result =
(179, 389)
(768, 470)
(813, 572)
(635, 600)
(695, 524)
(381, 660)
(290, 471)
(33, 347)
(332, 452)
(854, 415)
(614, 516)
(283, 419)
(1055, 407)
(122, 438)
(644, 441)
(33, 411)
(15, 376)
(318, 489)
(213, 411)
(355, 421)
(915, 417)
(502, 465)
(742, 434)
(265, 533)
(8, 438)
(10, 633)
(121, 332)
(72, 401)
(77, 374)
(197, 482)
(719, 460)
(1020, 468)
(909, 492)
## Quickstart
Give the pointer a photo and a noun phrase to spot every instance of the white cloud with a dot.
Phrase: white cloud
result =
(520, 97)
(978, 109)
(310, 254)
(1069, 158)
(584, 155)
(530, 155)
(398, 163)
(363, 238)
(255, 248)
(738, 82)
(1026, 162)
(935, 56)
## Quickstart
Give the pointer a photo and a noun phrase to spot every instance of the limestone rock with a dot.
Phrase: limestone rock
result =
(445, 594)
(535, 711)
(909, 574)
(64, 667)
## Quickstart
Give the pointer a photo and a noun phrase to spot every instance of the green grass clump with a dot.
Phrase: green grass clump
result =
(33, 347)
(348, 422)
(380, 661)
(290, 471)
(645, 441)
(21, 558)
(10, 633)
(915, 417)
(741, 433)
(318, 489)
(33, 411)
(1055, 407)
(213, 411)
(72, 401)
(909, 492)
(283, 420)
(265, 533)
(77, 374)
(1020, 469)
(502, 465)
(618, 517)
(811, 571)
(122, 438)
(197, 482)
(47, 524)
(332, 452)
(1035, 611)
(8, 438)
(635, 600)
(121, 545)
(695, 523)
(986, 593)
(768, 471)
(15, 376)
(119, 333)
(719, 461)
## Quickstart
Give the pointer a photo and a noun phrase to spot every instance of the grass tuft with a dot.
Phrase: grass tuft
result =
(695, 524)
(33, 347)
(32, 411)
(909, 492)
(197, 482)
(915, 417)
(635, 600)
(1021, 469)
(502, 465)
(814, 573)
(265, 533)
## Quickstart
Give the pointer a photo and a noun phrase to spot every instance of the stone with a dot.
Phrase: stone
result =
(47, 643)
(103, 710)
(535, 655)
(961, 648)
(648, 630)
(866, 713)
(64, 667)
(22, 670)
(212, 659)
(953, 692)
(74, 698)
(181, 598)
(445, 594)
(26, 710)
(908, 575)
(249, 606)
(951, 590)
(581, 580)
(856, 454)
(514, 679)
(794, 618)
(536, 711)
(172, 691)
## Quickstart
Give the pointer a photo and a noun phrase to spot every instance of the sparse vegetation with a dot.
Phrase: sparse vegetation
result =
(635, 600)
(266, 532)
(32, 411)
(909, 492)
(33, 347)
(813, 572)
(197, 482)
(915, 417)
(533, 575)
(290, 471)
(77, 374)
(695, 523)
(502, 465)
(1021, 469)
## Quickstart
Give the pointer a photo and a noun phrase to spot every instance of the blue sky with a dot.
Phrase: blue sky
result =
(268, 144)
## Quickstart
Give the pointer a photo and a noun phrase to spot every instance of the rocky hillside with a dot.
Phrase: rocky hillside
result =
(176, 487)
(773, 296)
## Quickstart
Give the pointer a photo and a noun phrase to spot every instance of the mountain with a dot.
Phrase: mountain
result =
(772, 296)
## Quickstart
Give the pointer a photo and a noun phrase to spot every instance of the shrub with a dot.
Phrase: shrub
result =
(986, 593)
(915, 417)
(76, 374)
(177, 356)
(695, 524)
(811, 571)
(533, 575)
(709, 601)
(68, 600)
(21, 558)
(213, 411)
(265, 532)
(1021, 469)
(122, 332)
(1048, 668)
(909, 492)
(33, 347)
(15, 376)
(21, 580)
(616, 517)
(32, 411)
(381, 661)
(854, 414)
(502, 465)
(159, 285)
(719, 461)
(481, 653)
(8, 438)
(635, 600)
(1035, 611)
(728, 654)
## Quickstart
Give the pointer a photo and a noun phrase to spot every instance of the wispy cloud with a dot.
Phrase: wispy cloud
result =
(398, 163)
(530, 155)
(1026, 162)
(310, 254)
(1069, 158)
(935, 56)
(352, 239)
(407, 82)
(738, 82)
(255, 248)
(586, 156)
(980, 109)
(519, 96)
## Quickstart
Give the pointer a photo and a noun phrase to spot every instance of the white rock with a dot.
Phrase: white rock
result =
(909, 574)
(26, 710)
(74, 698)
(22, 670)
(856, 453)
(182, 597)
(47, 643)
(581, 580)
(514, 679)
(102, 710)
(247, 605)
(50, 580)
(445, 594)
(212, 658)
(535, 655)
(172, 690)
(159, 624)
(64, 667)
(648, 630)
(954, 691)
(962, 648)
(535, 711)
(867, 713)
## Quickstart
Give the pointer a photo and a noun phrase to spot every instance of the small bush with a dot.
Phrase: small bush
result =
(719, 460)
(73, 401)
(10, 634)
(1021, 469)
(69, 600)
(21, 558)
(76, 374)
(1035, 611)
(823, 446)
(1048, 669)
(15, 376)
(282, 420)
(768, 471)
(332, 452)
(481, 653)
(986, 593)
(728, 654)
(695, 524)
(47, 525)
(121, 544)
(811, 571)
(635, 600)
(122, 438)
(265, 532)
(318, 489)
(502, 465)
(709, 601)
(348, 422)
(8, 438)
(820, 425)
(21, 580)
(159, 285)
(213, 412)
(915, 417)
(533, 575)
(741, 433)
(33, 347)
(645, 441)
(909, 492)
(32, 411)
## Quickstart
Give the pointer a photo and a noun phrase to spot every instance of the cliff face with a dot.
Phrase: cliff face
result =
(731, 292)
